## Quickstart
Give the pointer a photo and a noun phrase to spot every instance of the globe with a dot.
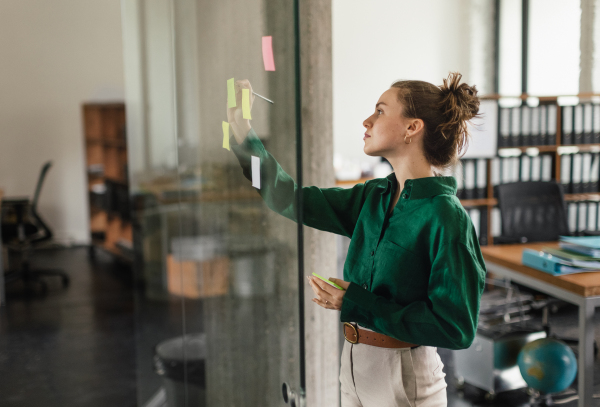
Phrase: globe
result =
(547, 365)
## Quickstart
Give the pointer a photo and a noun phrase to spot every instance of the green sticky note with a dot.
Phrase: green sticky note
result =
(327, 281)
(246, 104)
(226, 135)
(231, 93)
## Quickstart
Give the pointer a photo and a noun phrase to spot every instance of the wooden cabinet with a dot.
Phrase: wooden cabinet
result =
(108, 185)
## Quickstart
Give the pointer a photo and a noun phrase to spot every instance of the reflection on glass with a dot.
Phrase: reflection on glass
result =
(217, 307)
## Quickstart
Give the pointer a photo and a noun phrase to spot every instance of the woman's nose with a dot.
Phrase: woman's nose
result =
(367, 123)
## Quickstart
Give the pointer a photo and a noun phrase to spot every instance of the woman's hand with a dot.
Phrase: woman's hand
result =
(235, 117)
(328, 296)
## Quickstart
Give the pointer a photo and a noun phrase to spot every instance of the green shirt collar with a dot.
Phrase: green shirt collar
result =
(420, 188)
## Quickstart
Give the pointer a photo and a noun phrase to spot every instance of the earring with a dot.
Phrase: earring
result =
(409, 140)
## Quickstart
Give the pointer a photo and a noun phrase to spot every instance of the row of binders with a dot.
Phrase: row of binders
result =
(575, 255)
(579, 172)
(471, 174)
(478, 216)
(527, 126)
(536, 126)
(581, 124)
(583, 216)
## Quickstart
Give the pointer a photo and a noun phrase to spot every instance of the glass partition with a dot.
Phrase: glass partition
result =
(217, 303)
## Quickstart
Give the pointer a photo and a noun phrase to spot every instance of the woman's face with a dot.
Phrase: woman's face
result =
(386, 127)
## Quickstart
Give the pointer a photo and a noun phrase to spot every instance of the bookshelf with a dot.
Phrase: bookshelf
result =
(487, 202)
(107, 179)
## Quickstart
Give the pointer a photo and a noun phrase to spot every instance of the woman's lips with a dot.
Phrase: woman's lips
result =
(366, 136)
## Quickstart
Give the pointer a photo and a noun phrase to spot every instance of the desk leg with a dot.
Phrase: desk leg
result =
(586, 354)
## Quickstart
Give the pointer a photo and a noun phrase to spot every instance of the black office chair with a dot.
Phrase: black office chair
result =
(23, 230)
(534, 211)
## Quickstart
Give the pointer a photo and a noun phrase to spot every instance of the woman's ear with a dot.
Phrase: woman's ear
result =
(415, 126)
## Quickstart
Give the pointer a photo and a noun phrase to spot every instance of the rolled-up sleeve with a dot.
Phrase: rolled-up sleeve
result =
(447, 318)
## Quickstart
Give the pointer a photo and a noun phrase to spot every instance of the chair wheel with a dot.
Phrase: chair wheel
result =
(490, 396)
(66, 281)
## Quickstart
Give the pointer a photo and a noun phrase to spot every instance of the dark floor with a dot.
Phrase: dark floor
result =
(75, 346)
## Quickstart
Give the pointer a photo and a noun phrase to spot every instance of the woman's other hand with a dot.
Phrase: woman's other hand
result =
(328, 296)
(235, 116)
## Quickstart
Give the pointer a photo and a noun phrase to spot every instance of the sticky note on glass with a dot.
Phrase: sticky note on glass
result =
(226, 135)
(255, 172)
(246, 104)
(230, 93)
(267, 48)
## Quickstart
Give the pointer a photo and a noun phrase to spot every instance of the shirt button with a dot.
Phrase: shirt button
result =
(373, 253)
(365, 286)
(404, 196)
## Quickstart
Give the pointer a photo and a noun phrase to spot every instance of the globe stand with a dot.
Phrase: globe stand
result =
(539, 400)
(542, 400)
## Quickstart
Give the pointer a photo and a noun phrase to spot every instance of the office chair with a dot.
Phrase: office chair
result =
(22, 231)
(534, 211)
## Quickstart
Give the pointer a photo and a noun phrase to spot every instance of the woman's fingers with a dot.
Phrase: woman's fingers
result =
(319, 290)
(327, 305)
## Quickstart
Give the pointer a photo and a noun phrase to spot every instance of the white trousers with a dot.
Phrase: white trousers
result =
(380, 377)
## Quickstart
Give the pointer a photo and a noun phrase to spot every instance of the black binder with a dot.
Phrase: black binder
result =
(504, 128)
(588, 120)
(567, 125)
(586, 172)
(576, 170)
(552, 122)
(596, 122)
(578, 124)
(535, 126)
(526, 126)
(543, 125)
(565, 172)
(515, 127)
(481, 178)
(595, 172)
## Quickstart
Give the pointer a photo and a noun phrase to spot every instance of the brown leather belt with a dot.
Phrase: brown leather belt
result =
(354, 334)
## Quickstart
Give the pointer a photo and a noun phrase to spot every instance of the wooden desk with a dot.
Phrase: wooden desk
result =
(582, 290)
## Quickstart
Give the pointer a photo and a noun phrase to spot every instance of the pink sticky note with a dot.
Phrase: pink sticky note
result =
(267, 48)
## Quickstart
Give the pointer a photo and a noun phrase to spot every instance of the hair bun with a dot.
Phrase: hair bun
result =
(459, 104)
(459, 100)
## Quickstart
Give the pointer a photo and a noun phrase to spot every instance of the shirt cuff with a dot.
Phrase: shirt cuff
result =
(356, 305)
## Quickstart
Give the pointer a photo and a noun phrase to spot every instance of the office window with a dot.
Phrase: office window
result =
(554, 52)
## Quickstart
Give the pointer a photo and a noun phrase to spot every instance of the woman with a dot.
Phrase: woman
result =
(414, 273)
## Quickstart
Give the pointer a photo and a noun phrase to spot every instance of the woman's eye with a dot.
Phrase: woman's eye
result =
(379, 111)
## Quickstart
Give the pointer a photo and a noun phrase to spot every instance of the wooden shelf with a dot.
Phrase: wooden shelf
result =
(106, 149)
(583, 197)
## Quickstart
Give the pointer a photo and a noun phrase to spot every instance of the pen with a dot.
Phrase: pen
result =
(262, 97)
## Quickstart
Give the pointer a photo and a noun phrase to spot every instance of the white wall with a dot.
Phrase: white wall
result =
(378, 42)
(54, 55)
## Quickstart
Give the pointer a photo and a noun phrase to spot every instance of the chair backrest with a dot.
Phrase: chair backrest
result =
(532, 211)
(38, 187)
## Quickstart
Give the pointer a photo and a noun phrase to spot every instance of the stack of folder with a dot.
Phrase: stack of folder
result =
(576, 255)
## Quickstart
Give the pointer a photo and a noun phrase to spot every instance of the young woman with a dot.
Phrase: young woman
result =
(414, 273)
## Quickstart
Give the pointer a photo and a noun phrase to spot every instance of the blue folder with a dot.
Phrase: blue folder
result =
(549, 263)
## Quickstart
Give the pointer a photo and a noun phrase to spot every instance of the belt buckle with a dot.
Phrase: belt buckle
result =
(355, 332)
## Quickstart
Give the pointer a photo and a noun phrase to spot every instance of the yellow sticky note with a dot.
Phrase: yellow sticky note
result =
(226, 135)
(246, 104)
(230, 93)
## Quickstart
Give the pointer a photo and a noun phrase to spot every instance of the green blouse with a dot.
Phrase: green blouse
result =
(416, 274)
